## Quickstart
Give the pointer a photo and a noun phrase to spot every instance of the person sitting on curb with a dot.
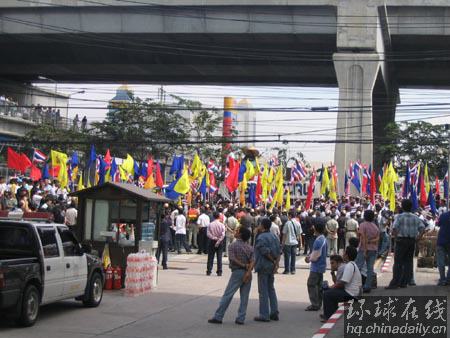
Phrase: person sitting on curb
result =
(241, 264)
(348, 287)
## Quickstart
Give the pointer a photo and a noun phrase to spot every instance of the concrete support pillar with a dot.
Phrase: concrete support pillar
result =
(356, 75)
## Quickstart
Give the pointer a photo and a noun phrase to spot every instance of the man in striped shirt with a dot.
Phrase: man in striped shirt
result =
(216, 235)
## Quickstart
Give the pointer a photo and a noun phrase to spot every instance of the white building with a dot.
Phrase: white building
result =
(244, 122)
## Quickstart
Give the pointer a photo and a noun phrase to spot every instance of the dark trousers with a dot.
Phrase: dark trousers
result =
(289, 257)
(172, 243)
(315, 292)
(403, 261)
(181, 241)
(202, 241)
(212, 251)
(163, 248)
(309, 241)
(341, 239)
(331, 299)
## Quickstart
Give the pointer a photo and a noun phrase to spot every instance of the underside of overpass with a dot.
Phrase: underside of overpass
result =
(368, 48)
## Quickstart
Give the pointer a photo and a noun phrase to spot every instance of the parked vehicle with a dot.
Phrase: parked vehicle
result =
(42, 263)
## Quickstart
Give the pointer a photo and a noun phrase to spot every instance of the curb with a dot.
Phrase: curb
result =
(326, 327)
(387, 263)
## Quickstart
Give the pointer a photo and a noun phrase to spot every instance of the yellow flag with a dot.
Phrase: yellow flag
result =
(60, 160)
(333, 194)
(74, 174)
(108, 175)
(196, 166)
(250, 172)
(325, 181)
(128, 165)
(288, 199)
(392, 178)
(426, 179)
(264, 182)
(123, 174)
(183, 184)
(80, 185)
(149, 183)
(257, 167)
(270, 176)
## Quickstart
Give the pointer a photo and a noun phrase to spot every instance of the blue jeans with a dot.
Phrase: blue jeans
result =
(235, 283)
(289, 257)
(443, 254)
(267, 295)
(384, 243)
(370, 261)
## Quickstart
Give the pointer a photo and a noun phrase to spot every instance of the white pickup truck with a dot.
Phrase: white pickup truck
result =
(41, 263)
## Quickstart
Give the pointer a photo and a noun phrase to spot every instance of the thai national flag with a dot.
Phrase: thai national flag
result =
(298, 172)
(212, 167)
(38, 156)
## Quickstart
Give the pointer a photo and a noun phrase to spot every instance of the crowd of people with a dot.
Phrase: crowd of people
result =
(352, 234)
(21, 195)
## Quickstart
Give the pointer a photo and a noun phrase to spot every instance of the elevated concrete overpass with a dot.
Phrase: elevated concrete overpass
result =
(366, 47)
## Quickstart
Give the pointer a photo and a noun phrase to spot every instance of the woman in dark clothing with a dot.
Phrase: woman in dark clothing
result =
(164, 239)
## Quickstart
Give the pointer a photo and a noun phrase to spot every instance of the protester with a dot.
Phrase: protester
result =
(407, 229)
(216, 235)
(203, 223)
(318, 260)
(241, 264)
(267, 257)
(351, 228)
(332, 227)
(231, 225)
(443, 249)
(291, 231)
(347, 286)
(164, 239)
(180, 232)
(369, 235)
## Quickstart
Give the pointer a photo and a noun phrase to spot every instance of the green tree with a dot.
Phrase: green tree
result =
(414, 142)
(144, 127)
(46, 137)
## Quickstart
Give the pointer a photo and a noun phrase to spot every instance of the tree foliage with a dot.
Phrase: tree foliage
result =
(415, 142)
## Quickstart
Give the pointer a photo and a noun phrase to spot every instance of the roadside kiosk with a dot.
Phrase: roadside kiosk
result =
(121, 214)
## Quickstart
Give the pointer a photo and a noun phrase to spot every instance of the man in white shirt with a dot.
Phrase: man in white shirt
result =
(346, 288)
(70, 218)
(203, 223)
(180, 232)
(291, 233)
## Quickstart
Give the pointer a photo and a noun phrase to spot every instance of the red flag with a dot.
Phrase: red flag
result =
(36, 173)
(107, 158)
(233, 175)
(150, 166)
(259, 189)
(312, 183)
(54, 171)
(423, 192)
(438, 186)
(24, 162)
(14, 160)
(159, 180)
(373, 187)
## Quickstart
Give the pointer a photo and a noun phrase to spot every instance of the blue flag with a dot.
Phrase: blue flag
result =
(415, 202)
(45, 173)
(177, 166)
(355, 178)
(446, 186)
(406, 187)
(369, 176)
(101, 171)
(113, 170)
(242, 170)
(92, 156)
(432, 202)
(74, 160)
(252, 194)
(203, 187)
(170, 192)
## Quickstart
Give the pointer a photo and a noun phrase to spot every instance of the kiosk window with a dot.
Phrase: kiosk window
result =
(48, 240)
(101, 221)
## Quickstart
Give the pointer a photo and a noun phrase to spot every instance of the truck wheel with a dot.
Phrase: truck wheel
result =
(30, 306)
(95, 291)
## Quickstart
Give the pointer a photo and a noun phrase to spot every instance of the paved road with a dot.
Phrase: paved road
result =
(179, 307)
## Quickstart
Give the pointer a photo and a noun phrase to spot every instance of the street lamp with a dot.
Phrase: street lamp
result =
(40, 77)
(68, 98)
